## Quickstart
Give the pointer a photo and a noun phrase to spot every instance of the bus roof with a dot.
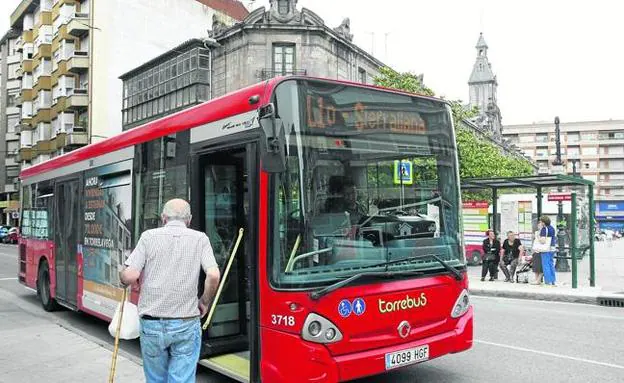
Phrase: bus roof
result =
(209, 111)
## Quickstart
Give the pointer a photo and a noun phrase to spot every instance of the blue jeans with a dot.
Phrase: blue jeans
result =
(548, 265)
(170, 350)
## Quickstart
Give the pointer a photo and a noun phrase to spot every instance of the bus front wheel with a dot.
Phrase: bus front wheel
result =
(475, 258)
(43, 288)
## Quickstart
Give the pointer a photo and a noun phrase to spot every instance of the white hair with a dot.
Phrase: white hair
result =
(177, 210)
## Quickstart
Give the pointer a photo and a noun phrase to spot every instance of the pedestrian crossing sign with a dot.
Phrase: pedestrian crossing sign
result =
(403, 172)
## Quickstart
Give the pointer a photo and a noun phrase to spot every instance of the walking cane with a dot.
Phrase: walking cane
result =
(111, 376)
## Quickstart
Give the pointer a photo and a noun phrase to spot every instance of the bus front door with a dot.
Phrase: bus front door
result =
(222, 201)
(67, 216)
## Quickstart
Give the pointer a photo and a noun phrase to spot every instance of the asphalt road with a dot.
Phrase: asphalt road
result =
(515, 340)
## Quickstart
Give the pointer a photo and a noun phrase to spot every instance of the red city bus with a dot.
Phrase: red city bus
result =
(339, 268)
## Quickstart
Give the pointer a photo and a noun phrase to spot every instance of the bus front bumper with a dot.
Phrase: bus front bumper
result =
(373, 362)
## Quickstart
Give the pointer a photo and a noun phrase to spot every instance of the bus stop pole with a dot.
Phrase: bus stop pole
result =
(592, 213)
(495, 209)
(539, 202)
(573, 241)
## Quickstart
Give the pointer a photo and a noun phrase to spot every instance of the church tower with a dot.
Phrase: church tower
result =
(482, 85)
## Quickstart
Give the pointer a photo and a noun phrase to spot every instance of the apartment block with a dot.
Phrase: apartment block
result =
(72, 52)
(10, 85)
(592, 149)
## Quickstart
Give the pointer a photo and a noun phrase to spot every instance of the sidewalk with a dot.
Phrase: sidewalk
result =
(34, 349)
(609, 280)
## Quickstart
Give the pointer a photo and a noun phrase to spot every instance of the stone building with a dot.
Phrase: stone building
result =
(285, 40)
(282, 40)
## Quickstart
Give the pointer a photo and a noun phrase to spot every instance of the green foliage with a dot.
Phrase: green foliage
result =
(408, 82)
(478, 158)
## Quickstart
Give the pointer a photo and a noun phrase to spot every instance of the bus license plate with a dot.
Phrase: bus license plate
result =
(405, 357)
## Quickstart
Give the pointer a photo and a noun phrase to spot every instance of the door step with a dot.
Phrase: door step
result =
(235, 366)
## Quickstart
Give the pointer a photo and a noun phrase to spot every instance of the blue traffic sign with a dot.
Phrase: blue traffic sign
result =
(359, 306)
(344, 308)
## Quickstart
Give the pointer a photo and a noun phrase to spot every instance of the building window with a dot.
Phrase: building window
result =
(283, 58)
(282, 7)
(161, 170)
(541, 137)
(362, 76)
(573, 137)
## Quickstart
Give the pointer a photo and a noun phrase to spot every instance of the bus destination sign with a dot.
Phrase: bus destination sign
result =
(361, 116)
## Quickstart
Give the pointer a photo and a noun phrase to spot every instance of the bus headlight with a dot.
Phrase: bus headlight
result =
(314, 328)
(318, 329)
(461, 305)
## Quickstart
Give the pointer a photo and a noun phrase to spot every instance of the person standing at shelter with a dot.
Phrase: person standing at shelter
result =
(491, 255)
(170, 259)
(548, 263)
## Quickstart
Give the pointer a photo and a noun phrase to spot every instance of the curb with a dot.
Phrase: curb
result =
(568, 298)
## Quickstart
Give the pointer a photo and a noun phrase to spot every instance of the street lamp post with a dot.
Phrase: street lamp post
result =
(562, 263)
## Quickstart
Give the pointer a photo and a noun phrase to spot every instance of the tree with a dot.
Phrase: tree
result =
(478, 157)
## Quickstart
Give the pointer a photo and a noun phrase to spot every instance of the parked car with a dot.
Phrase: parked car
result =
(12, 236)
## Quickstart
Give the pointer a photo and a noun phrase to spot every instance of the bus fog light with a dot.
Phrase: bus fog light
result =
(314, 328)
(330, 334)
(461, 305)
(319, 329)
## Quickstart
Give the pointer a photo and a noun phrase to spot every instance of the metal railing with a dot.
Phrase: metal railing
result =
(268, 73)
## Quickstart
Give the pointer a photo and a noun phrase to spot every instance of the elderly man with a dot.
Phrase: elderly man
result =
(170, 258)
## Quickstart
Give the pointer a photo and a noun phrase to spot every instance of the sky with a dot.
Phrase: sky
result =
(551, 57)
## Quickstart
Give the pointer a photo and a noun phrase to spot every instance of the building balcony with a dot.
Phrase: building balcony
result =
(74, 138)
(615, 155)
(14, 58)
(24, 7)
(25, 154)
(611, 170)
(78, 63)
(56, 8)
(13, 110)
(10, 161)
(10, 188)
(78, 26)
(75, 99)
(27, 66)
(42, 83)
(269, 73)
(43, 115)
(611, 141)
(27, 95)
(45, 146)
(611, 183)
(19, 44)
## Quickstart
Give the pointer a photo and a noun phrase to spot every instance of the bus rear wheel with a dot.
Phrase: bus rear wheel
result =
(43, 288)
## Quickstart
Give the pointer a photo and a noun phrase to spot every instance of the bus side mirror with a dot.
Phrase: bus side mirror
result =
(273, 160)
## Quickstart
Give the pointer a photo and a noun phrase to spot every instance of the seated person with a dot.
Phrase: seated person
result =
(343, 198)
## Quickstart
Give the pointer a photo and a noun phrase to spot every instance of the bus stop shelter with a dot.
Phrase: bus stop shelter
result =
(542, 183)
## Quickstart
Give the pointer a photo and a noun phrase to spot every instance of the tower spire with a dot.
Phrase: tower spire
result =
(482, 85)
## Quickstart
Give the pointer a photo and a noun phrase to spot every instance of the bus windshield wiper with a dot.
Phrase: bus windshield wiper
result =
(450, 268)
(380, 274)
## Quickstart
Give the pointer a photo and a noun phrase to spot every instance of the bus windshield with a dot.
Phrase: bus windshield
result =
(371, 179)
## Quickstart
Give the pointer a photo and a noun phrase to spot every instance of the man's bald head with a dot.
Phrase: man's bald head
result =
(177, 210)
